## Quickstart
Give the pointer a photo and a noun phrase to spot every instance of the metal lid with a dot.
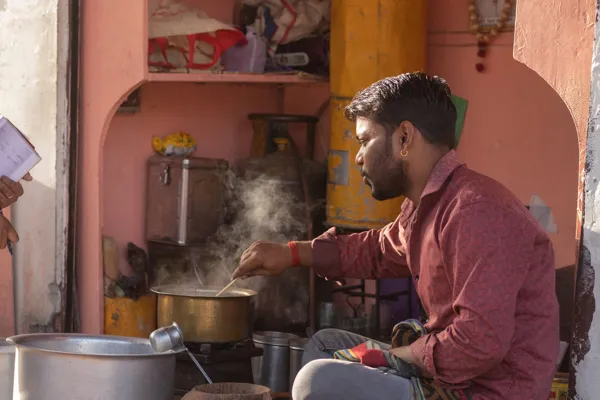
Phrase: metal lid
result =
(298, 344)
(274, 338)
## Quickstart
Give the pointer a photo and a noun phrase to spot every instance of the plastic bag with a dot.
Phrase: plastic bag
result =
(182, 37)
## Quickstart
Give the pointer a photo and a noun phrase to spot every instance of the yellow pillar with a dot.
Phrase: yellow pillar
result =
(370, 40)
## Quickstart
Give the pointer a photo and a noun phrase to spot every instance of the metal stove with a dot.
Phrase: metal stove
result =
(222, 362)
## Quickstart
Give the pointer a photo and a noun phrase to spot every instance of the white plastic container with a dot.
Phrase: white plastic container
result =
(249, 58)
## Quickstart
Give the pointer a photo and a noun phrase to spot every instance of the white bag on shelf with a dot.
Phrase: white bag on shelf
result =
(182, 37)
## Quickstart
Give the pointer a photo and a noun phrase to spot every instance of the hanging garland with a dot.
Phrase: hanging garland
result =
(483, 39)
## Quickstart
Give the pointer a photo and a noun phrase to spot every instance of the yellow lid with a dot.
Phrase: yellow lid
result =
(282, 143)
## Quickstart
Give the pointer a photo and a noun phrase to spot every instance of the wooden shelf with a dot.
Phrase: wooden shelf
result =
(279, 79)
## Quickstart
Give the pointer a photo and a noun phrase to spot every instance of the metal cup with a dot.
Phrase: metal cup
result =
(170, 338)
(326, 315)
(167, 338)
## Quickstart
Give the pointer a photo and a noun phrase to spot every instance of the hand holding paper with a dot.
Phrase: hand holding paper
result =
(17, 158)
(17, 154)
(10, 191)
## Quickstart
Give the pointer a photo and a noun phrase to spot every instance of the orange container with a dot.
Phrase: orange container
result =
(127, 317)
(560, 387)
(374, 39)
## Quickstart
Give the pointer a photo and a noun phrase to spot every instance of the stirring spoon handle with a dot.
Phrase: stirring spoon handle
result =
(226, 287)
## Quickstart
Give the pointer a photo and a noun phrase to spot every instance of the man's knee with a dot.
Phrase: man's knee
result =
(315, 380)
(327, 379)
(318, 344)
(325, 337)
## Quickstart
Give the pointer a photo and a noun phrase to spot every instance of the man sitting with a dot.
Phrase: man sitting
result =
(481, 264)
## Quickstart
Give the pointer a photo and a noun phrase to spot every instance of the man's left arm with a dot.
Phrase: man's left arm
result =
(486, 251)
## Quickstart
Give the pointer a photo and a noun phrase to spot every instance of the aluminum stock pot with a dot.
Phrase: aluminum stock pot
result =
(7, 368)
(84, 367)
(203, 317)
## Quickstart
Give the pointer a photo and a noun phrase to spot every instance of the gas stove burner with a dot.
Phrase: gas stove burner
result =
(229, 362)
(207, 353)
(208, 348)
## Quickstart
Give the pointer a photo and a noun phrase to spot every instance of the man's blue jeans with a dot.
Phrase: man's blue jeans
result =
(323, 378)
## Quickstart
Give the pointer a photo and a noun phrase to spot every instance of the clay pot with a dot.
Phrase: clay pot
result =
(229, 391)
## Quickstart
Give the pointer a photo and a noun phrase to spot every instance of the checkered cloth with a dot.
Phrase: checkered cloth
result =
(403, 334)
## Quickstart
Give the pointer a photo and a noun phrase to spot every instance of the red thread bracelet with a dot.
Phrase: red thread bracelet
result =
(295, 253)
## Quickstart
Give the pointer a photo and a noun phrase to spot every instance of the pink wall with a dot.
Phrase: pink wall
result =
(517, 128)
(216, 115)
(7, 300)
(561, 53)
(113, 62)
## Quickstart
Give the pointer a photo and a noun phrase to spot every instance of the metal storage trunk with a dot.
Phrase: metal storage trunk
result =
(185, 198)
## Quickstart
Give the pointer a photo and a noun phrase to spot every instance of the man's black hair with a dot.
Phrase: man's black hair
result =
(423, 100)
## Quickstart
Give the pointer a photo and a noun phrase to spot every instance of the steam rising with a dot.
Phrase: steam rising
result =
(262, 209)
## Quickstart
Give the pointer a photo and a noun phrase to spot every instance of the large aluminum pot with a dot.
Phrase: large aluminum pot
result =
(203, 317)
(7, 369)
(82, 367)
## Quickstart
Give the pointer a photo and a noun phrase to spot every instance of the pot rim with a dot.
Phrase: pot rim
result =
(298, 344)
(6, 347)
(274, 338)
(170, 290)
(17, 341)
(261, 389)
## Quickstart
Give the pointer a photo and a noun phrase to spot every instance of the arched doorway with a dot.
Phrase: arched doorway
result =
(556, 39)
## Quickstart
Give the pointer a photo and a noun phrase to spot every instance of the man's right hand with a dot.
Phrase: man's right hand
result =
(7, 232)
(264, 258)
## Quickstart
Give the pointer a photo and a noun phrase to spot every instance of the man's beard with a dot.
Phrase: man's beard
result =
(388, 179)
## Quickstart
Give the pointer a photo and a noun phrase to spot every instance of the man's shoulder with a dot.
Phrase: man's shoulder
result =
(469, 187)
(471, 192)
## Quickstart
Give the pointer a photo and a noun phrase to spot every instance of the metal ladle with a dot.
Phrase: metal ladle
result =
(170, 338)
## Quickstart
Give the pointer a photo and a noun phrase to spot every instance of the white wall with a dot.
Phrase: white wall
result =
(33, 61)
